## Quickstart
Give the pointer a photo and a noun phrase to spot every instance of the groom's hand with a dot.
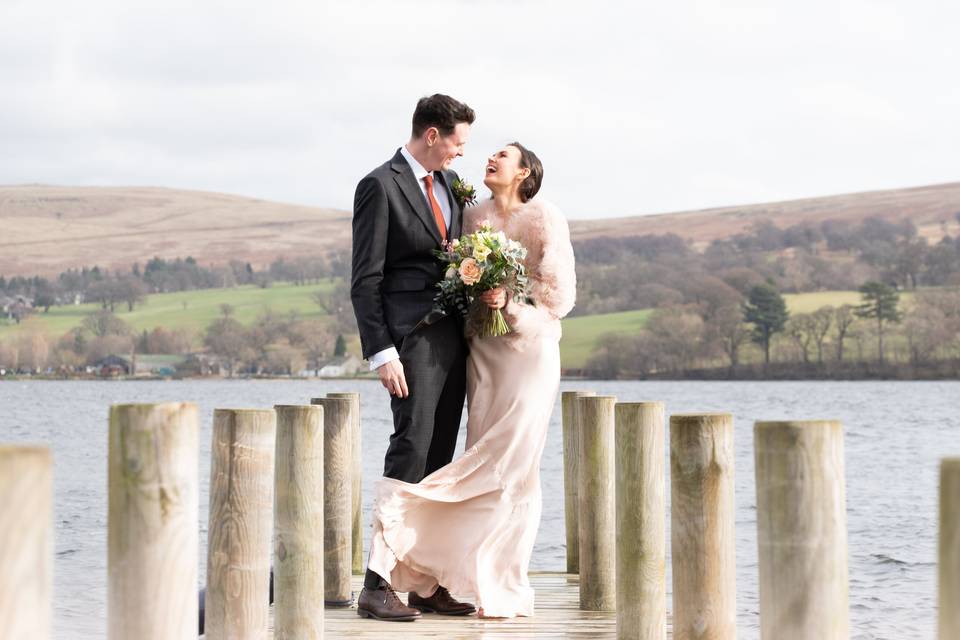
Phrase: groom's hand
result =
(393, 380)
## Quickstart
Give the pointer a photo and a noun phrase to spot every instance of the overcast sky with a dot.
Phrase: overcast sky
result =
(634, 107)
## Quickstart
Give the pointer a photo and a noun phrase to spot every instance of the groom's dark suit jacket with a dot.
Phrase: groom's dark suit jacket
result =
(395, 274)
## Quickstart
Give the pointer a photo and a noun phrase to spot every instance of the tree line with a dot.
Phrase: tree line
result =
(760, 335)
(128, 288)
(653, 271)
(719, 306)
(274, 344)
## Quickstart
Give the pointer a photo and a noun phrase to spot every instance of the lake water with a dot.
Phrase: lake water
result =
(896, 433)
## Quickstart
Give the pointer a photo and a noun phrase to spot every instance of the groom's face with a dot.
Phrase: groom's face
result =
(443, 150)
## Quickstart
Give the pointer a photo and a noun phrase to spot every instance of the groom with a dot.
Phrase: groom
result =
(403, 210)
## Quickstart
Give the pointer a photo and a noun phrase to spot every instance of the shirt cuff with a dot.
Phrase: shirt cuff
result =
(381, 358)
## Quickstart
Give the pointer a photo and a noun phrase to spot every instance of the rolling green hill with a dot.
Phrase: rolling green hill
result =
(194, 310)
(580, 333)
(808, 302)
(189, 309)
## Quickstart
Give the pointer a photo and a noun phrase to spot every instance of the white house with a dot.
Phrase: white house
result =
(340, 367)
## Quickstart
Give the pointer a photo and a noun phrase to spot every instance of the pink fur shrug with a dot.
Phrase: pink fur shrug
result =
(541, 228)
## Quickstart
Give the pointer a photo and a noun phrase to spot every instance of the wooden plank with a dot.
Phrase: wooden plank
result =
(557, 615)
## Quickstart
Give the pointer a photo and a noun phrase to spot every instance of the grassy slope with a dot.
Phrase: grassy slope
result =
(808, 302)
(581, 333)
(191, 309)
(194, 310)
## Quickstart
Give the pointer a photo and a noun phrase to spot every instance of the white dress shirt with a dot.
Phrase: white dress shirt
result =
(438, 191)
(381, 358)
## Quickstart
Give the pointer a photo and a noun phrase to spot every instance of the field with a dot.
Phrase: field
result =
(192, 310)
(580, 333)
(809, 302)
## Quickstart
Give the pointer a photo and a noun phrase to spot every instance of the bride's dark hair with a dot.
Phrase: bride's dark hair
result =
(529, 160)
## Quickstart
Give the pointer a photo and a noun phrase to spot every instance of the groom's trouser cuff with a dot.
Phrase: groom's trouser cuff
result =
(371, 580)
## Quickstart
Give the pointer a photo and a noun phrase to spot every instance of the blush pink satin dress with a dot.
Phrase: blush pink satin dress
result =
(471, 525)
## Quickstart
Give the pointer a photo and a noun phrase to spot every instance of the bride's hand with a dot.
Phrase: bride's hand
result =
(494, 298)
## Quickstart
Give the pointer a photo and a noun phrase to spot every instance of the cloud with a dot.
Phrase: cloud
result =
(634, 107)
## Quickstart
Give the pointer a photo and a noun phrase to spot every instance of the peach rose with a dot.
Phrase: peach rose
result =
(469, 271)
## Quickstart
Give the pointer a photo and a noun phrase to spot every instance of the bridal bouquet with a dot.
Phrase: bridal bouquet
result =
(477, 262)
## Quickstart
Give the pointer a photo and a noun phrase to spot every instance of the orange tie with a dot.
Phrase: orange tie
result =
(437, 213)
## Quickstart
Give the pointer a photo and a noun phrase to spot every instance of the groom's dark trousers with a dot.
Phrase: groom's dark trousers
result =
(394, 278)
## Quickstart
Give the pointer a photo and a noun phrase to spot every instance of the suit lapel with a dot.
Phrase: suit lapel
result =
(411, 191)
(456, 213)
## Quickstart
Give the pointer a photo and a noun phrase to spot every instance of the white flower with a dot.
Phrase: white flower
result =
(480, 252)
(451, 273)
(454, 243)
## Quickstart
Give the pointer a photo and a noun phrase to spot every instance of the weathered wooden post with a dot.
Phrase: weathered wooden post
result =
(597, 527)
(356, 475)
(337, 500)
(802, 530)
(641, 534)
(298, 524)
(949, 550)
(26, 542)
(702, 526)
(571, 474)
(152, 534)
(241, 516)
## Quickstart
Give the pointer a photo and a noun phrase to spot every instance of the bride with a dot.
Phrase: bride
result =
(471, 525)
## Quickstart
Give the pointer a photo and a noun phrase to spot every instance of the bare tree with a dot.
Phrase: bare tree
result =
(801, 329)
(226, 338)
(33, 350)
(337, 304)
(9, 356)
(821, 321)
(130, 290)
(732, 331)
(103, 323)
(843, 318)
(678, 336)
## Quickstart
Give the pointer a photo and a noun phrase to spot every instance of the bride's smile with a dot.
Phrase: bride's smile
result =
(504, 169)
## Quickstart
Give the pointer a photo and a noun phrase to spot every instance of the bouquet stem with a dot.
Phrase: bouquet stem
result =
(495, 325)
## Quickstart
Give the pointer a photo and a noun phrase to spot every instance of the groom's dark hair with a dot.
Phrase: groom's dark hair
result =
(442, 112)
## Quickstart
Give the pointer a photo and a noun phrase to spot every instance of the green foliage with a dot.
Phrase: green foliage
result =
(582, 333)
(340, 348)
(880, 303)
(767, 311)
(168, 310)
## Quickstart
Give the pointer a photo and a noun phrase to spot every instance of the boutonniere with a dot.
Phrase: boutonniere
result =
(464, 192)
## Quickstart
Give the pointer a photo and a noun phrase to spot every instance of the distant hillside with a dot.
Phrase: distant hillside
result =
(45, 230)
(932, 209)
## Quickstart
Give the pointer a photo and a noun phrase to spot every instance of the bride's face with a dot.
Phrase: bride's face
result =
(504, 170)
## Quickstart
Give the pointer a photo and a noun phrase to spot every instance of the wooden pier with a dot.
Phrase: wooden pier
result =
(558, 615)
(274, 476)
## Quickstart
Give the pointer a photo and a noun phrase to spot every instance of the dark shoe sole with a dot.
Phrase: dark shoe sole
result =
(363, 613)
(466, 612)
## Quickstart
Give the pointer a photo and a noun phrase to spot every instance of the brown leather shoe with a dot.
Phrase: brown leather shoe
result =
(441, 603)
(384, 604)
